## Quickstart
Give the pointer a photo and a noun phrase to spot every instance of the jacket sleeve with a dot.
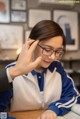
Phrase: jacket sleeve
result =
(4, 83)
(69, 95)
(5, 98)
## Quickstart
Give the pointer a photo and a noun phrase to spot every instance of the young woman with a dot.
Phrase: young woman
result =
(43, 84)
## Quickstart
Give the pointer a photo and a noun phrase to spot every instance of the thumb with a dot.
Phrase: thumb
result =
(37, 62)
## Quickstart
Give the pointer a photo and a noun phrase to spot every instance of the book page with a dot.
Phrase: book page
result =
(71, 115)
(76, 109)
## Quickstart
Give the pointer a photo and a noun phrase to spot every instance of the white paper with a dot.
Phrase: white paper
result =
(71, 115)
(76, 109)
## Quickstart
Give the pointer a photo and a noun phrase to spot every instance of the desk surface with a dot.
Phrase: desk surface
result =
(26, 115)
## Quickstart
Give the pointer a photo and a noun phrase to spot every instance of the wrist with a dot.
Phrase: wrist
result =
(14, 72)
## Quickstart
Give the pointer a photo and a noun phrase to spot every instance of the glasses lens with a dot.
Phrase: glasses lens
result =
(47, 52)
(59, 53)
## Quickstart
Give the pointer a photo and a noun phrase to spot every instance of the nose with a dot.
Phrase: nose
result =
(52, 57)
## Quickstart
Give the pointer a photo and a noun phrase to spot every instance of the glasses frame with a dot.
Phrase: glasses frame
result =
(53, 51)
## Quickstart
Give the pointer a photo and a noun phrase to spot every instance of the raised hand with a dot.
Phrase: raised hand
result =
(25, 62)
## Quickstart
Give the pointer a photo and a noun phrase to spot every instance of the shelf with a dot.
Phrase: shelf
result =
(72, 71)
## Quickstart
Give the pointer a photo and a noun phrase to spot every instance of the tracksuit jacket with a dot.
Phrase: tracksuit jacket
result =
(52, 89)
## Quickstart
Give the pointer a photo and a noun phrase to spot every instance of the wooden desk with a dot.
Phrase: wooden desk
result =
(26, 115)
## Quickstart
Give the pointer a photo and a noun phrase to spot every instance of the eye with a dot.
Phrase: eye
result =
(47, 50)
(60, 51)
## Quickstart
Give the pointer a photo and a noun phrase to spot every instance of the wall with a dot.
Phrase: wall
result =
(35, 4)
(76, 7)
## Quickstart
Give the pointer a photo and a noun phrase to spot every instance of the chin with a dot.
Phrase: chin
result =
(45, 65)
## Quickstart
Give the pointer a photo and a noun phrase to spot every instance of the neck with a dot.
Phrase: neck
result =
(39, 69)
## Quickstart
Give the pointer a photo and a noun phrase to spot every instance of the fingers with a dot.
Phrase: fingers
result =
(48, 115)
(29, 42)
(33, 46)
(42, 117)
(36, 62)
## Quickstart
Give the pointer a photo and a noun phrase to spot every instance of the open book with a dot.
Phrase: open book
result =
(76, 109)
(73, 114)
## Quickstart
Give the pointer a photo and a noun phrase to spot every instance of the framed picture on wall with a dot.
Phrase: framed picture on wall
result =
(27, 33)
(18, 4)
(68, 20)
(36, 15)
(4, 11)
(11, 36)
(18, 16)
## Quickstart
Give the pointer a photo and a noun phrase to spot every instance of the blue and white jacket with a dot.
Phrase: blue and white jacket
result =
(52, 89)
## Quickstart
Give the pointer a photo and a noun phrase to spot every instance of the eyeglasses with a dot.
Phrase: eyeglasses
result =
(48, 51)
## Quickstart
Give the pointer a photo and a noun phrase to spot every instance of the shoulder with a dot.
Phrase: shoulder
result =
(57, 65)
(59, 69)
(11, 64)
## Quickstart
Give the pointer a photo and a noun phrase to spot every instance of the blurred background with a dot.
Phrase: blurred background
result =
(17, 17)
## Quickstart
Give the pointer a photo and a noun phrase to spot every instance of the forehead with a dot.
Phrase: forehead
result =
(55, 42)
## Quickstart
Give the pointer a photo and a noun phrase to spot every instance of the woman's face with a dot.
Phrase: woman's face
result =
(46, 48)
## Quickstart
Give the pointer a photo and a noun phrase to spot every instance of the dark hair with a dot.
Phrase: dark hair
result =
(47, 29)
